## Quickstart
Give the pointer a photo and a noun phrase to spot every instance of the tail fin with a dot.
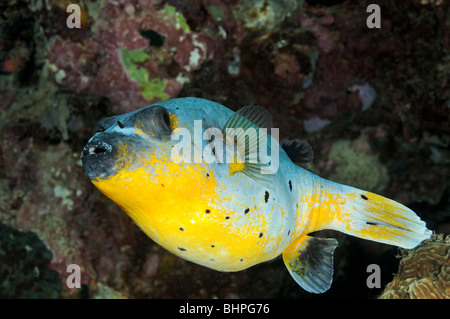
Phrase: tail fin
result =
(369, 216)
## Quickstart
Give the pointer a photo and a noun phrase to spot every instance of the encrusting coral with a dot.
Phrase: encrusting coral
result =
(424, 273)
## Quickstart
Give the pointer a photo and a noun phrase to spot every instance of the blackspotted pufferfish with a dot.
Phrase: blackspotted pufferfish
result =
(229, 216)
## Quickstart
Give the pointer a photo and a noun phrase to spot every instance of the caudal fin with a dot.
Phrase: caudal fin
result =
(369, 216)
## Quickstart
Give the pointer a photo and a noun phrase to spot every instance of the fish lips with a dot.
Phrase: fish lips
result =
(98, 158)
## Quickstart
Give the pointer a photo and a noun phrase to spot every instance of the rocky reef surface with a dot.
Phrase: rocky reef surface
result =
(373, 103)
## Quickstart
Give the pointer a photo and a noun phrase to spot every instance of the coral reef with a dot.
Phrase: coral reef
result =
(424, 273)
(264, 16)
(373, 103)
(24, 266)
(357, 167)
(120, 28)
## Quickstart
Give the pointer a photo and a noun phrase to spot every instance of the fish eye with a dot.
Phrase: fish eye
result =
(161, 122)
(165, 120)
(155, 119)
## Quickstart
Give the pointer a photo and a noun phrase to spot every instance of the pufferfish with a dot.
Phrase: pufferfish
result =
(231, 215)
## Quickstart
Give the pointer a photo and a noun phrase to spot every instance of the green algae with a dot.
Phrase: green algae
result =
(150, 87)
(179, 18)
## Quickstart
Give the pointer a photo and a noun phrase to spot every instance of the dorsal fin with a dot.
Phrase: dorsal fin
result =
(243, 133)
(298, 151)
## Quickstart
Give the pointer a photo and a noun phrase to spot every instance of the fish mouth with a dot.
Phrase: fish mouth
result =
(97, 159)
(96, 149)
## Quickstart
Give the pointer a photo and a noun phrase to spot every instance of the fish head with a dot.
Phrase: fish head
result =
(129, 159)
(123, 142)
(130, 141)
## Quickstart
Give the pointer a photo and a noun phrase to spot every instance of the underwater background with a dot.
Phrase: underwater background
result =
(374, 103)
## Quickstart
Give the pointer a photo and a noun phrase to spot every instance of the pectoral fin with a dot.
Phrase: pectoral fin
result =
(310, 262)
(243, 133)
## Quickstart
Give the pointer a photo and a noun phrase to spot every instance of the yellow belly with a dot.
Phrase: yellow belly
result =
(179, 207)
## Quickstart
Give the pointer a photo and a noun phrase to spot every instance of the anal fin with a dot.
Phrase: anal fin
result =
(310, 262)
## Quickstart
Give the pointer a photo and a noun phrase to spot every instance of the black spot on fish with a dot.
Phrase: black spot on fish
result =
(227, 217)
(289, 231)
(207, 174)
(182, 249)
(371, 223)
(266, 196)
(290, 185)
(364, 197)
(207, 211)
(242, 259)
(212, 246)
(246, 210)
(260, 235)
(181, 228)
(120, 124)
